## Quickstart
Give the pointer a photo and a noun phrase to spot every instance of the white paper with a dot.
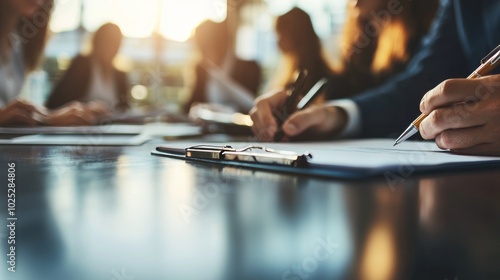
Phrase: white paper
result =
(367, 154)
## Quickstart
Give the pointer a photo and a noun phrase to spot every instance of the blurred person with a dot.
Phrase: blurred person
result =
(301, 49)
(23, 32)
(368, 58)
(93, 77)
(377, 42)
(465, 32)
(222, 78)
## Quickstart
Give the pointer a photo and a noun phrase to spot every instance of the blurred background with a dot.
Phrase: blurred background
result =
(158, 51)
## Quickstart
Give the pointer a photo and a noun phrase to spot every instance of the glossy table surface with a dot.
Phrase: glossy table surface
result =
(120, 213)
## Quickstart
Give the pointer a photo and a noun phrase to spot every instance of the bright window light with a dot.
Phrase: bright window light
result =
(66, 16)
(180, 18)
(174, 19)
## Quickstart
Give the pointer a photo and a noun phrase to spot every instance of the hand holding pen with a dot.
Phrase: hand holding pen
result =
(274, 114)
(463, 115)
(292, 94)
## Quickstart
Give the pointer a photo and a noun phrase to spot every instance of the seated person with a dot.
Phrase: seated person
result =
(463, 114)
(94, 78)
(20, 54)
(366, 61)
(301, 48)
(222, 78)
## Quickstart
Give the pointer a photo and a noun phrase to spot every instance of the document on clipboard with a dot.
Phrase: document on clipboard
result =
(339, 159)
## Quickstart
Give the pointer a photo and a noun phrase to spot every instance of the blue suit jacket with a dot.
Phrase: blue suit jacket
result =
(465, 31)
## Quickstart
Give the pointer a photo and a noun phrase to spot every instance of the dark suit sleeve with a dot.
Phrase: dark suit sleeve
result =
(72, 86)
(390, 108)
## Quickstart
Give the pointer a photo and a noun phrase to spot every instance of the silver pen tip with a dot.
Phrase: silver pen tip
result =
(409, 132)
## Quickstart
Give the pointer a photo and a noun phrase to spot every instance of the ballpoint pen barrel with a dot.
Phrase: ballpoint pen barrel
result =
(419, 120)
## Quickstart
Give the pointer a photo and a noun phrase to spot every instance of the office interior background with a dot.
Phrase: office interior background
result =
(158, 52)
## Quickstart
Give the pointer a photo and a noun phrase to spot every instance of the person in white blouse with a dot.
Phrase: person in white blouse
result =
(23, 30)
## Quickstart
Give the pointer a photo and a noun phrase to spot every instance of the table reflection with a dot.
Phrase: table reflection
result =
(460, 226)
(112, 211)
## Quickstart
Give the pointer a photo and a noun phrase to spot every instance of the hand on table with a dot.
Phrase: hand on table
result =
(464, 115)
(98, 109)
(18, 113)
(78, 114)
(311, 123)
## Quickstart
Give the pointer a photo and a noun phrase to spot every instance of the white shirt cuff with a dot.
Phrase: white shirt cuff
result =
(353, 127)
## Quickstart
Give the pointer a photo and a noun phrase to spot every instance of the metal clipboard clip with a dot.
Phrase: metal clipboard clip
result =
(255, 154)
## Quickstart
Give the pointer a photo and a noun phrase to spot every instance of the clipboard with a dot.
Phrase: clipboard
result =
(351, 159)
(260, 158)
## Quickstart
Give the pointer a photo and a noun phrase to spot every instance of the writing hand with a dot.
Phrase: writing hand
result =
(312, 123)
(464, 115)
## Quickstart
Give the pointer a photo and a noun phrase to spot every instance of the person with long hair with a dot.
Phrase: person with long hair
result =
(463, 114)
(23, 32)
(377, 43)
(301, 49)
(94, 78)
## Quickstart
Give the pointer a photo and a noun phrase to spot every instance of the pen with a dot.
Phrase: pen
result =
(304, 102)
(292, 95)
(488, 63)
(312, 94)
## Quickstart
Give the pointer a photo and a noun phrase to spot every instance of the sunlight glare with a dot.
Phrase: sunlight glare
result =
(136, 18)
(179, 19)
(139, 19)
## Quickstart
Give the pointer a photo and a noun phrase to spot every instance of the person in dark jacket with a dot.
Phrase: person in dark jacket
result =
(94, 78)
(463, 114)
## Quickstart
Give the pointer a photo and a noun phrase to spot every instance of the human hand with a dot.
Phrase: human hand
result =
(312, 123)
(98, 109)
(72, 114)
(464, 115)
(18, 113)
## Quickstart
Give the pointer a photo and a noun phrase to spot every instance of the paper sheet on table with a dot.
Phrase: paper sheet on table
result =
(152, 129)
(358, 158)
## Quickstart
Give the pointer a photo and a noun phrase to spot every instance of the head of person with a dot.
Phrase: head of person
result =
(212, 40)
(383, 33)
(32, 17)
(106, 42)
(296, 35)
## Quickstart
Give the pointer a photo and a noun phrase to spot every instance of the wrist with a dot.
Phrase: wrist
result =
(335, 120)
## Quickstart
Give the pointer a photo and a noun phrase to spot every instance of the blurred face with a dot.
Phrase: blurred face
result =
(284, 43)
(106, 50)
(25, 8)
(364, 8)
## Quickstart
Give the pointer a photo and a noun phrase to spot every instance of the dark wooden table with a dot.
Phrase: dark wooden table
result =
(119, 213)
